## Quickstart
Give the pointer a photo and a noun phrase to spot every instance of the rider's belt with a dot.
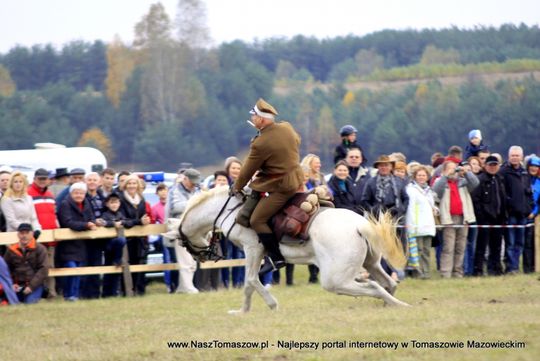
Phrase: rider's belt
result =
(272, 176)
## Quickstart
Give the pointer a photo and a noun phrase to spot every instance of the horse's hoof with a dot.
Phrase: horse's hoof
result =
(236, 312)
(397, 304)
(274, 306)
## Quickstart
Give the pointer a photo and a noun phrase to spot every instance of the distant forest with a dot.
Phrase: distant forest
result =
(168, 98)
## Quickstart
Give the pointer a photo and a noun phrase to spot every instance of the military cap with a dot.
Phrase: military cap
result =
(264, 110)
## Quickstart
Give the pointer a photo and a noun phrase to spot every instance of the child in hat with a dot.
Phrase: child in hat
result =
(475, 144)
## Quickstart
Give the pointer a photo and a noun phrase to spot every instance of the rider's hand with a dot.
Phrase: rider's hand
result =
(233, 192)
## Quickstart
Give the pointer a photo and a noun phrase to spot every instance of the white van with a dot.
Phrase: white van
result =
(52, 156)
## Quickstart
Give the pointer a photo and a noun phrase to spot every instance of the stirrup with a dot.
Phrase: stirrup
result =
(270, 265)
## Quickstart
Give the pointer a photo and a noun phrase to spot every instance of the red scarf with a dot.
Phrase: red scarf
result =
(456, 206)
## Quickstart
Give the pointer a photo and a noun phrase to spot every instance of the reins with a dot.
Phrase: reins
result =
(209, 252)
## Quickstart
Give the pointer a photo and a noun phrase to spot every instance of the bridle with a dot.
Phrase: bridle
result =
(209, 252)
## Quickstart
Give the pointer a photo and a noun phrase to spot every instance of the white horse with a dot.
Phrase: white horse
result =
(342, 243)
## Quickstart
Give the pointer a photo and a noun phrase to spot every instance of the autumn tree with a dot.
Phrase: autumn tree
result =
(121, 62)
(7, 86)
(170, 91)
(191, 25)
(95, 138)
(326, 134)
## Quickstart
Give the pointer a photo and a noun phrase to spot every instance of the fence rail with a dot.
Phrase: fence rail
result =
(66, 234)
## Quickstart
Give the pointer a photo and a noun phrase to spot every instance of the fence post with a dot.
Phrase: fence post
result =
(126, 273)
(128, 281)
(537, 243)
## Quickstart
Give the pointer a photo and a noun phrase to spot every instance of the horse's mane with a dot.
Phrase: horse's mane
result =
(202, 197)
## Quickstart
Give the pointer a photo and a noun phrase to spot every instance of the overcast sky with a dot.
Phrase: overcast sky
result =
(29, 22)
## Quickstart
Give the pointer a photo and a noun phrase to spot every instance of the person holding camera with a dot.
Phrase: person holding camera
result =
(28, 264)
(454, 189)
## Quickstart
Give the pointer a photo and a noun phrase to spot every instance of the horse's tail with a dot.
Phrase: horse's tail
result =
(382, 237)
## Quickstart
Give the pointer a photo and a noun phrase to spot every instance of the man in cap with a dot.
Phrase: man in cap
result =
(75, 176)
(177, 199)
(489, 201)
(28, 264)
(45, 206)
(274, 153)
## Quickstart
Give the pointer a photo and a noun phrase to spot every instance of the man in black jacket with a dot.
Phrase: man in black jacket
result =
(489, 200)
(519, 205)
(358, 174)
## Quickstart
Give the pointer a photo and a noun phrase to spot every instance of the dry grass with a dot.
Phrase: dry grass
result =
(493, 309)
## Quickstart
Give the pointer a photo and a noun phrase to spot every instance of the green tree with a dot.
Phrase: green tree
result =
(367, 61)
(432, 55)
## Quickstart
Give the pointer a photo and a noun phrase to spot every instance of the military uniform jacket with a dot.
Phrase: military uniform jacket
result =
(275, 152)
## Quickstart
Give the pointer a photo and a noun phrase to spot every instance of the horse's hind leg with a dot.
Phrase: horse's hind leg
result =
(373, 265)
(252, 283)
(367, 288)
(380, 276)
(345, 282)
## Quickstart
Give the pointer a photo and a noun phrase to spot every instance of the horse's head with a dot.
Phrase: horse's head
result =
(198, 226)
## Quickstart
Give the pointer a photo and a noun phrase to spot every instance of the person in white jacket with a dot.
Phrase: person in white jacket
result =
(419, 217)
(17, 205)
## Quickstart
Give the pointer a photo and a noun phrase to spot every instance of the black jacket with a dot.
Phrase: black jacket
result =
(371, 204)
(489, 199)
(132, 214)
(110, 217)
(343, 199)
(359, 178)
(341, 151)
(518, 190)
(71, 216)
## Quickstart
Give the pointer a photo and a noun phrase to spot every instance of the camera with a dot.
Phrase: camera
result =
(459, 169)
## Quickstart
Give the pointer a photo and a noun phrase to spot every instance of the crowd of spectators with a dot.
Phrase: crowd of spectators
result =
(459, 205)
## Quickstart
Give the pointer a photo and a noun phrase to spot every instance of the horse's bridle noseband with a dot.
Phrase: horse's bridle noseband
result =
(202, 253)
(209, 252)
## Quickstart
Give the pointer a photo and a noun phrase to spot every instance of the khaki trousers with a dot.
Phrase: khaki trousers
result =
(454, 242)
(266, 208)
(424, 252)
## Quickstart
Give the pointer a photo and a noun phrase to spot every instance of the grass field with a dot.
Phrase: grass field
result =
(487, 309)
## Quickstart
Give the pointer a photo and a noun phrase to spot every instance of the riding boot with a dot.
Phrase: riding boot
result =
(275, 259)
(289, 271)
(313, 273)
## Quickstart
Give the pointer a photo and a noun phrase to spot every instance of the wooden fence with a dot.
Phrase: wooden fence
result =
(66, 234)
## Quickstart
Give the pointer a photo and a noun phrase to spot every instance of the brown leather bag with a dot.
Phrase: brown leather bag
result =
(290, 222)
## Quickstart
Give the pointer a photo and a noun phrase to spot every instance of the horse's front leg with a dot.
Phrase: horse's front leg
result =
(254, 255)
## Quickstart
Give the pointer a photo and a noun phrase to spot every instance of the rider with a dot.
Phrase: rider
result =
(274, 152)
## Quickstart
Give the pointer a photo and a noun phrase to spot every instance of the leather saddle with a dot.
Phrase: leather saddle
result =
(291, 223)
